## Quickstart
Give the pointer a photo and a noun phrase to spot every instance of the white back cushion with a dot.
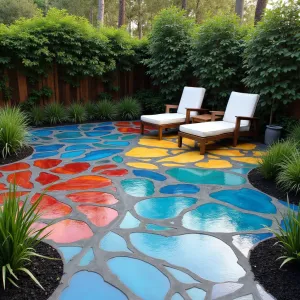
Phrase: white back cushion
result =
(242, 105)
(191, 98)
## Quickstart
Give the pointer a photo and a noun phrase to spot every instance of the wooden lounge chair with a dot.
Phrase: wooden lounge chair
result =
(238, 121)
(190, 105)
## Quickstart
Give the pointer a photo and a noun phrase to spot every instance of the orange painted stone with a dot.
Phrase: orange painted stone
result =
(72, 168)
(3, 187)
(47, 163)
(81, 183)
(50, 208)
(99, 216)
(21, 179)
(139, 125)
(18, 194)
(15, 167)
(46, 178)
(93, 197)
(104, 167)
(1, 175)
(123, 123)
(118, 172)
(130, 130)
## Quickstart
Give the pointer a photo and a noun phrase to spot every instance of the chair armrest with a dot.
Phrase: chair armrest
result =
(188, 113)
(215, 113)
(247, 118)
(169, 106)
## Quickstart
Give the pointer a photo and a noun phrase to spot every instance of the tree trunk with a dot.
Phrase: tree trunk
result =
(239, 8)
(184, 4)
(101, 12)
(260, 9)
(140, 29)
(121, 13)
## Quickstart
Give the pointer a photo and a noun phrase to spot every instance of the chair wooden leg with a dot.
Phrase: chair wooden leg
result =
(235, 140)
(202, 147)
(142, 128)
(179, 141)
(160, 129)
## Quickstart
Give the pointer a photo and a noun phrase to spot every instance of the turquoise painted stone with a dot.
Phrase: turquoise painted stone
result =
(98, 154)
(204, 255)
(68, 135)
(116, 143)
(129, 137)
(90, 286)
(181, 276)
(117, 159)
(72, 154)
(112, 136)
(113, 242)
(48, 147)
(177, 297)
(196, 294)
(79, 141)
(149, 174)
(223, 289)
(294, 207)
(87, 258)
(243, 171)
(247, 199)
(44, 154)
(214, 217)
(105, 128)
(78, 147)
(180, 189)
(202, 176)
(95, 133)
(42, 133)
(69, 252)
(163, 208)
(67, 128)
(138, 187)
(157, 227)
(129, 221)
(148, 283)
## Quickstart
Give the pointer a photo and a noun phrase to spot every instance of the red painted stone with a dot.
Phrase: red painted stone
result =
(130, 130)
(1, 175)
(46, 178)
(72, 168)
(93, 197)
(3, 187)
(104, 167)
(50, 208)
(15, 167)
(123, 123)
(113, 189)
(138, 124)
(18, 194)
(47, 163)
(21, 179)
(99, 216)
(118, 172)
(81, 183)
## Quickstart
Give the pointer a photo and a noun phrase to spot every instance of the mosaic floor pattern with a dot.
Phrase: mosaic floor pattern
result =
(138, 218)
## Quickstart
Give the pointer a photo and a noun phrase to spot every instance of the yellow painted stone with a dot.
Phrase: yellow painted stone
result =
(177, 151)
(172, 165)
(158, 143)
(187, 157)
(226, 152)
(170, 137)
(214, 164)
(248, 160)
(141, 165)
(212, 156)
(145, 159)
(246, 146)
(258, 153)
(189, 142)
(143, 152)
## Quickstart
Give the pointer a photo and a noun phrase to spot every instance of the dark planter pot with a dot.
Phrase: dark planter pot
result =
(272, 134)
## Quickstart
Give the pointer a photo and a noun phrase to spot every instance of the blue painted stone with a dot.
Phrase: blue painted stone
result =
(129, 137)
(87, 258)
(98, 154)
(48, 147)
(248, 165)
(203, 176)
(44, 154)
(149, 174)
(204, 255)
(214, 217)
(163, 208)
(79, 141)
(117, 159)
(68, 134)
(113, 242)
(112, 136)
(116, 143)
(138, 187)
(78, 147)
(181, 276)
(224, 289)
(294, 207)
(90, 286)
(244, 242)
(67, 128)
(243, 171)
(247, 199)
(42, 133)
(148, 283)
(72, 154)
(45, 138)
(129, 221)
(69, 252)
(196, 294)
(157, 227)
(96, 133)
(104, 128)
(180, 189)
(177, 297)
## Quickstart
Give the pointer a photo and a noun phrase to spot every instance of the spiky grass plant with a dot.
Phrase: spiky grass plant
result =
(55, 113)
(129, 109)
(13, 130)
(76, 113)
(295, 134)
(18, 238)
(106, 110)
(37, 115)
(91, 112)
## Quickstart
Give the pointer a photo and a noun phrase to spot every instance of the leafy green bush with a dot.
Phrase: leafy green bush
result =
(13, 130)
(169, 43)
(129, 109)
(277, 153)
(151, 102)
(18, 238)
(272, 58)
(55, 113)
(216, 57)
(90, 108)
(106, 110)
(37, 115)
(295, 133)
(76, 113)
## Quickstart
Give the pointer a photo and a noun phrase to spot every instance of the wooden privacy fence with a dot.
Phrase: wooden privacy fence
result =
(89, 88)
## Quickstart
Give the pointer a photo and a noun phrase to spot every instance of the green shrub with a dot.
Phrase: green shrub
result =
(90, 108)
(272, 58)
(129, 109)
(18, 238)
(37, 116)
(106, 110)
(288, 179)
(13, 130)
(151, 102)
(270, 162)
(76, 113)
(295, 133)
(55, 113)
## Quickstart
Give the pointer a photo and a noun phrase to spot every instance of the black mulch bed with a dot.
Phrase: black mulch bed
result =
(21, 154)
(282, 283)
(48, 273)
(269, 187)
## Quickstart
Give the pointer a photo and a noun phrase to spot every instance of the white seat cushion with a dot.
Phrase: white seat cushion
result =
(161, 119)
(210, 128)
(240, 104)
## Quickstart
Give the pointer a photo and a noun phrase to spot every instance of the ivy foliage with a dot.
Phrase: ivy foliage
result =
(169, 43)
(217, 58)
(272, 58)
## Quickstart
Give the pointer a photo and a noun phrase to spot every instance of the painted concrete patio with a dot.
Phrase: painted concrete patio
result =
(138, 218)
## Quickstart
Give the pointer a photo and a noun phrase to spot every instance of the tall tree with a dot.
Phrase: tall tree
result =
(140, 25)
(122, 5)
(239, 8)
(184, 4)
(260, 8)
(101, 12)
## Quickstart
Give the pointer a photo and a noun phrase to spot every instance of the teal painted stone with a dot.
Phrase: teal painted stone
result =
(117, 159)
(129, 137)
(129, 221)
(138, 187)
(87, 258)
(69, 252)
(155, 227)
(181, 276)
(113, 242)
(196, 294)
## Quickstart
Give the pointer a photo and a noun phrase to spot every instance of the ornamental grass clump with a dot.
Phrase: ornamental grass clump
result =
(55, 113)
(37, 115)
(129, 109)
(76, 113)
(295, 134)
(106, 110)
(18, 238)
